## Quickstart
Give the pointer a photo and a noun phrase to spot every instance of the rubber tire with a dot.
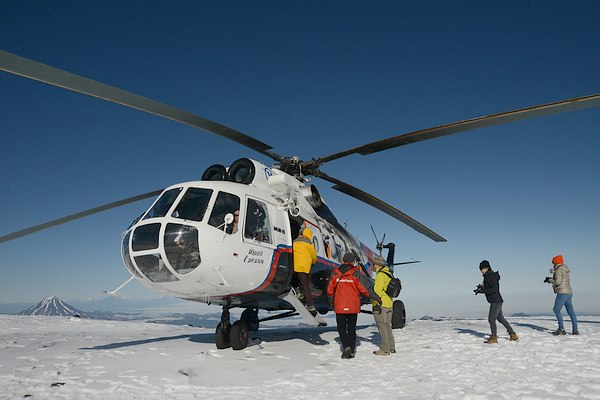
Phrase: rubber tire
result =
(398, 315)
(250, 317)
(222, 336)
(239, 335)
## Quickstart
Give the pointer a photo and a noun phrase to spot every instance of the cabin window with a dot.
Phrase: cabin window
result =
(181, 248)
(316, 243)
(193, 204)
(154, 268)
(257, 225)
(163, 204)
(226, 203)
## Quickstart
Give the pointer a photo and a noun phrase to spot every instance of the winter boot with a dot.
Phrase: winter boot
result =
(559, 332)
(513, 337)
(347, 353)
(381, 353)
(492, 339)
(575, 333)
(312, 310)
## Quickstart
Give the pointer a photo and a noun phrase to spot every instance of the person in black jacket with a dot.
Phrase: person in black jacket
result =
(491, 288)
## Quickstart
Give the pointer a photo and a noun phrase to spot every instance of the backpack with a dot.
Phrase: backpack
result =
(394, 286)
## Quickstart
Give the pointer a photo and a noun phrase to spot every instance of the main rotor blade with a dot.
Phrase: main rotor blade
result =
(386, 208)
(578, 103)
(72, 217)
(53, 76)
(406, 262)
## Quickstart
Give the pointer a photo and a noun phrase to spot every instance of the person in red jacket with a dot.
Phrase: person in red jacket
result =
(345, 287)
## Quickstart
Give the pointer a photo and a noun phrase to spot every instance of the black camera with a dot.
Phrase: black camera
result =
(478, 289)
(547, 280)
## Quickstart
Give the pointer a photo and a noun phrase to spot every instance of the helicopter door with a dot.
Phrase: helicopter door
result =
(319, 272)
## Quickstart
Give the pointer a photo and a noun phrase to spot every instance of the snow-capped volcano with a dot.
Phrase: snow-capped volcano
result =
(52, 306)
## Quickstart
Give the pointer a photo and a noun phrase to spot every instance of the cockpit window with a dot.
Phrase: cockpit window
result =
(181, 247)
(162, 205)
(193, 204)
(154, 268)
(126, 255)
(224, 204)
(257, 222)
(145, 237)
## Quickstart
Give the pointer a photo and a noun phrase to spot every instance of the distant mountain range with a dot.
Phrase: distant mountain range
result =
(53, 306)
(165, 310)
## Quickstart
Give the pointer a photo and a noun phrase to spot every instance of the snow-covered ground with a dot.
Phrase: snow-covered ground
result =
(71, 358)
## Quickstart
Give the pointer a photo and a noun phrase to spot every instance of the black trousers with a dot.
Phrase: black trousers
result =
(346, 326)
(304, 279)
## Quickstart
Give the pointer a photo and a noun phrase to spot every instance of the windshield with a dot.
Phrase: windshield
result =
(163, 204)
(193, 204)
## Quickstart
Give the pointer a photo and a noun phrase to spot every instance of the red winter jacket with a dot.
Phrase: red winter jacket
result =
(345, 289)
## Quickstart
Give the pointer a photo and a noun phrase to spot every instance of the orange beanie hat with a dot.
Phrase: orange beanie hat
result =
(557, 260)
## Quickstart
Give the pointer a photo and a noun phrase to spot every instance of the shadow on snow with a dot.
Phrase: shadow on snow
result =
(309, 335)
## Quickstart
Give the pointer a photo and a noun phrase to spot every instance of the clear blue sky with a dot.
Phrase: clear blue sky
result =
(311, 79)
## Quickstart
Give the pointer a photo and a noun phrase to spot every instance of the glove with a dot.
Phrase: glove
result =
(478, 289)
(547, 280)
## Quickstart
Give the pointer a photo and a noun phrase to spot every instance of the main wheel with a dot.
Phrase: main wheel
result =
(239, 335)
(222, 335)
(398, 315)
(250, 317)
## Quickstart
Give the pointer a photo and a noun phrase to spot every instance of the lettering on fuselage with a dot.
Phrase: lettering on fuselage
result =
(277, 229)
(254, 257)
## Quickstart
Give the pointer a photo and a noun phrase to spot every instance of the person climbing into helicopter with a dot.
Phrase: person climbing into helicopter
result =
(344, 290)
(305, 256)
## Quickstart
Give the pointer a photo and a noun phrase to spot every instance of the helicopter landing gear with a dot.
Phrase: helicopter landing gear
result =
(239, 335)
(223, 331)
(236, 335)
(398, 315)
(222, 335)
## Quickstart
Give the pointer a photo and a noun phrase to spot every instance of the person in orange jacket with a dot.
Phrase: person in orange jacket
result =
(305, 256)
(345, 287)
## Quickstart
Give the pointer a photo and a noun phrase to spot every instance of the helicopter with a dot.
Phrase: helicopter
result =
(226, 239)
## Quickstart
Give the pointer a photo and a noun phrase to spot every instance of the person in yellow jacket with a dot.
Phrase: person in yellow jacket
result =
(305, 256)
(382, 312)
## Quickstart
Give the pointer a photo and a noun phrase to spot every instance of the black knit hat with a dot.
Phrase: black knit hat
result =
(484, 264)
(348, 258)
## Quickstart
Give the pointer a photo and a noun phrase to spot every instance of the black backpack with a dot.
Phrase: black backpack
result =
(394, 286)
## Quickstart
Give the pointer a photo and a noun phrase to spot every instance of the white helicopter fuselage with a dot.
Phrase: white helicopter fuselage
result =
(189, 244)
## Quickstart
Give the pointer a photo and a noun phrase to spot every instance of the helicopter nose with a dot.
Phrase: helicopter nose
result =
(162, 250)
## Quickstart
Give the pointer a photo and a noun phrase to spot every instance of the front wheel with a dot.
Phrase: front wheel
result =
(222, 335)
(398, 315)
(239, 335)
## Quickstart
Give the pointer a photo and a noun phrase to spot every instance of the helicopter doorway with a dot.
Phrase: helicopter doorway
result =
(318, 273)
